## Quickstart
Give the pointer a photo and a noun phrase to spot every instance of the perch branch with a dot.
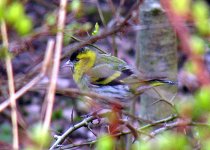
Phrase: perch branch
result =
(61, 138)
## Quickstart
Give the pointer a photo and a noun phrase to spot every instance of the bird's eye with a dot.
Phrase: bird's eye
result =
(77, 59)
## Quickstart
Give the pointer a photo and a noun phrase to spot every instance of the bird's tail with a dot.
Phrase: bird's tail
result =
(148, 84)
(157, 82)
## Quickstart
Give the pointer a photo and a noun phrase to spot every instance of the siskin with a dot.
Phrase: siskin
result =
(108, 75)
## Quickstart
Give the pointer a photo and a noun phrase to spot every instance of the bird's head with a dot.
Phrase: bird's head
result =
(81, 61)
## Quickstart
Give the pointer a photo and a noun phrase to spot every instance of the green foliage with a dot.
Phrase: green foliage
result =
(203, 136)
(180, 7)
(57, 114)
(76, 7)
(14, 12)
(96, 29)
(105, 142)
(196, 107)
(201, 16)
(191, 67)
(165, 141)
(15, 16)
(185, 108)
(202, 98)
(197, 45)
(40, 136)
(172, 141)
(141, 145)
(23, 26)
(50, 19)
(5, 132)
(75, 27)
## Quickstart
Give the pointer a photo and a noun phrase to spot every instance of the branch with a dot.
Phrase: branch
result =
(90, 119)
(34, 81)
(61, 138)
(58, 48)
(11, 87)
(93, 39)
(167, 124)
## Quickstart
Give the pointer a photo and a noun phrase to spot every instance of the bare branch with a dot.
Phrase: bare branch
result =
(61, 138)
(58, 48)
(11, 87)
(34, 81)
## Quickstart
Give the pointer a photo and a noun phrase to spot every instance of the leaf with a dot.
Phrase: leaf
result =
(96, 29)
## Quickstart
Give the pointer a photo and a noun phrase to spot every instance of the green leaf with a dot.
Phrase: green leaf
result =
(198, 45)
(171, 140)
(202, 98)
(141, 145)
(96, 29)
(50, 19)
(105, 142)
(191, 67)
(181, 7)
(24, 25)
(76, 7)
(200, 12)
(40, 136)
(57, 114)
(14, 12)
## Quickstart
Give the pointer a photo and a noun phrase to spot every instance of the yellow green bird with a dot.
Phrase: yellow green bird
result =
(108, 75)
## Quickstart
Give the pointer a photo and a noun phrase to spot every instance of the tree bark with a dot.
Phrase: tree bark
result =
(156, 56)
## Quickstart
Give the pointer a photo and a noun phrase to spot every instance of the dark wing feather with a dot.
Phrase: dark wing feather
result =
(105, 74)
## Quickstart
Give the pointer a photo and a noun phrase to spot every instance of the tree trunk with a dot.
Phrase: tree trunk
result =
(156, 56)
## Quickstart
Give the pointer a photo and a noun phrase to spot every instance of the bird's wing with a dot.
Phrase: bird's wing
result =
(106, 74)
(114, 62)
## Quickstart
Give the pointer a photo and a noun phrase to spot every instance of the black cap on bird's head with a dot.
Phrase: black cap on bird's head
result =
(73, 58)
(74, 55)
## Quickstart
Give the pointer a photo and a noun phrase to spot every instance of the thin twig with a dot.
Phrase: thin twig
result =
(11, 87)
(111, 5)
(88, 41)
(61, 138)
(170, 125)
(162, 98)
(101, 98)
(167, 125)
(91, 118)
(34, 81)
(70, 146)
(105, 33)
(100, 13)
(73, 92)
(58, 48)
(50, 46)
(78, 40)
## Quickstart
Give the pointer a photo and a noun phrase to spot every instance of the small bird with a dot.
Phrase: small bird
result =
(108, 75)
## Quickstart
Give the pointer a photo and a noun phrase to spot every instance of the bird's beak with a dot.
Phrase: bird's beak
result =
(68, 64)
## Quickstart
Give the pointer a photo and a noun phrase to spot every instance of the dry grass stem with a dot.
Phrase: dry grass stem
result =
(58, 48)
(11, 88)
(35, 80)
